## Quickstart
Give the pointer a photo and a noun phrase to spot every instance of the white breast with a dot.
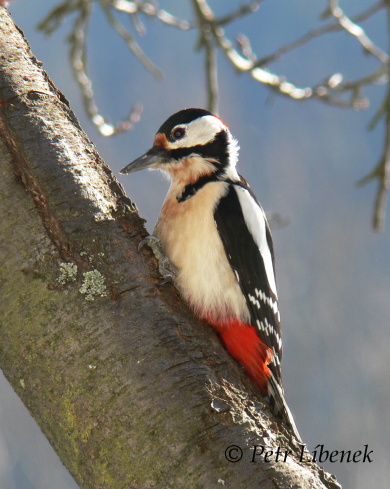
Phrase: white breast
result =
(191, 241)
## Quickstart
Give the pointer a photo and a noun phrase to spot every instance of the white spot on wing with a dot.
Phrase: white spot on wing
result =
(267, 300)
(269, 328)
(254, 301)
(260, 325)
(275, 358)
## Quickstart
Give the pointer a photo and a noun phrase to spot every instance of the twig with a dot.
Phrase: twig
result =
(314, 33)
(382, 170)
(355, 30)
(381, 197)
(152, 10)
(138, 25)
(57, 15)
(78, 56)
(130, 42)
(245, 47)
(245, 9)
(246, 61)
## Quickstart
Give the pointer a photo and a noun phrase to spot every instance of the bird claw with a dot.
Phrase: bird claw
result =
(165, 267)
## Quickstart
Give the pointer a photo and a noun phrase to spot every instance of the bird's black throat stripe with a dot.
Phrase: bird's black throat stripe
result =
(218, 176)
(191, 189)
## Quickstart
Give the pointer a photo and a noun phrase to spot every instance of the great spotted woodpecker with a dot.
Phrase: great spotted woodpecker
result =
(214, 231)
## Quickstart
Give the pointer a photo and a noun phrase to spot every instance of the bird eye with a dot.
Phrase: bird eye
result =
(178, 133)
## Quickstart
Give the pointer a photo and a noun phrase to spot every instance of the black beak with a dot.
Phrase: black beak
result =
(151, 159)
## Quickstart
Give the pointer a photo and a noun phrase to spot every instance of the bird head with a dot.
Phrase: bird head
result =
(190, 144)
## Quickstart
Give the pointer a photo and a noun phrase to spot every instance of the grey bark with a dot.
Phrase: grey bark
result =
(130, 389)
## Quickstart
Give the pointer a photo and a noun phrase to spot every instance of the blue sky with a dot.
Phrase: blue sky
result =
(302, 160)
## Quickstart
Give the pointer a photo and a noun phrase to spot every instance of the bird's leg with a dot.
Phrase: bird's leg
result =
(165, 267)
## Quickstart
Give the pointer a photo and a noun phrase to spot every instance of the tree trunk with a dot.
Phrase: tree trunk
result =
(130, 389)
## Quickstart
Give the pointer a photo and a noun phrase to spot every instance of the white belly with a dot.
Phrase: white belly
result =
(191, 241)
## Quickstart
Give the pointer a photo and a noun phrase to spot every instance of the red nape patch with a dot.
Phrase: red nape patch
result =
(243, 343)
(223, 122)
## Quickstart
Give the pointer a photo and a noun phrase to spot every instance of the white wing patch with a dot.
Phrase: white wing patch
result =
(255, 220)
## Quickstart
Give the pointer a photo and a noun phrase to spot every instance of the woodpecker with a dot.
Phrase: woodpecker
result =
(214, 231)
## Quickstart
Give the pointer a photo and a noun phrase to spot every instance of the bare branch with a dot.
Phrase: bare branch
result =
(382, 171)
(314, 33)
(138, 25)
(131, 43)
(152, 10)
(355, 30)
(336, 84)
(57, 16)
(245, 47)
(383, 188)
(331, 91)
(245, 9)
(78, 56)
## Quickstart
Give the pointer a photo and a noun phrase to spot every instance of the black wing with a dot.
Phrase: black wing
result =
(248, 246)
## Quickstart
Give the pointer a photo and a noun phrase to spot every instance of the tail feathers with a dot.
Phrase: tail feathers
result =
(279, 406)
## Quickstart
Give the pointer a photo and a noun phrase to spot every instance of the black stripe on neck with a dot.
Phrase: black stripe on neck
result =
(218, 176)
(191, 189)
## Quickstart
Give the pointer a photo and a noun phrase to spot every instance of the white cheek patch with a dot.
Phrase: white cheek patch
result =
(199, 132)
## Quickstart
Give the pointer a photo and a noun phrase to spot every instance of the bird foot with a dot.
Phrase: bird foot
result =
(165, 267)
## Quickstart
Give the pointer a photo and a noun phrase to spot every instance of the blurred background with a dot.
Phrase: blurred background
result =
(303, 160)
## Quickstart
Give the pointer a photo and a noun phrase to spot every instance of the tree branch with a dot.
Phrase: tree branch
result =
(150, 9)
(314, 33)
(327, 91)
(382, 170)
(78, 55)
(355, 30)
(130, 389)
(130, 42)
